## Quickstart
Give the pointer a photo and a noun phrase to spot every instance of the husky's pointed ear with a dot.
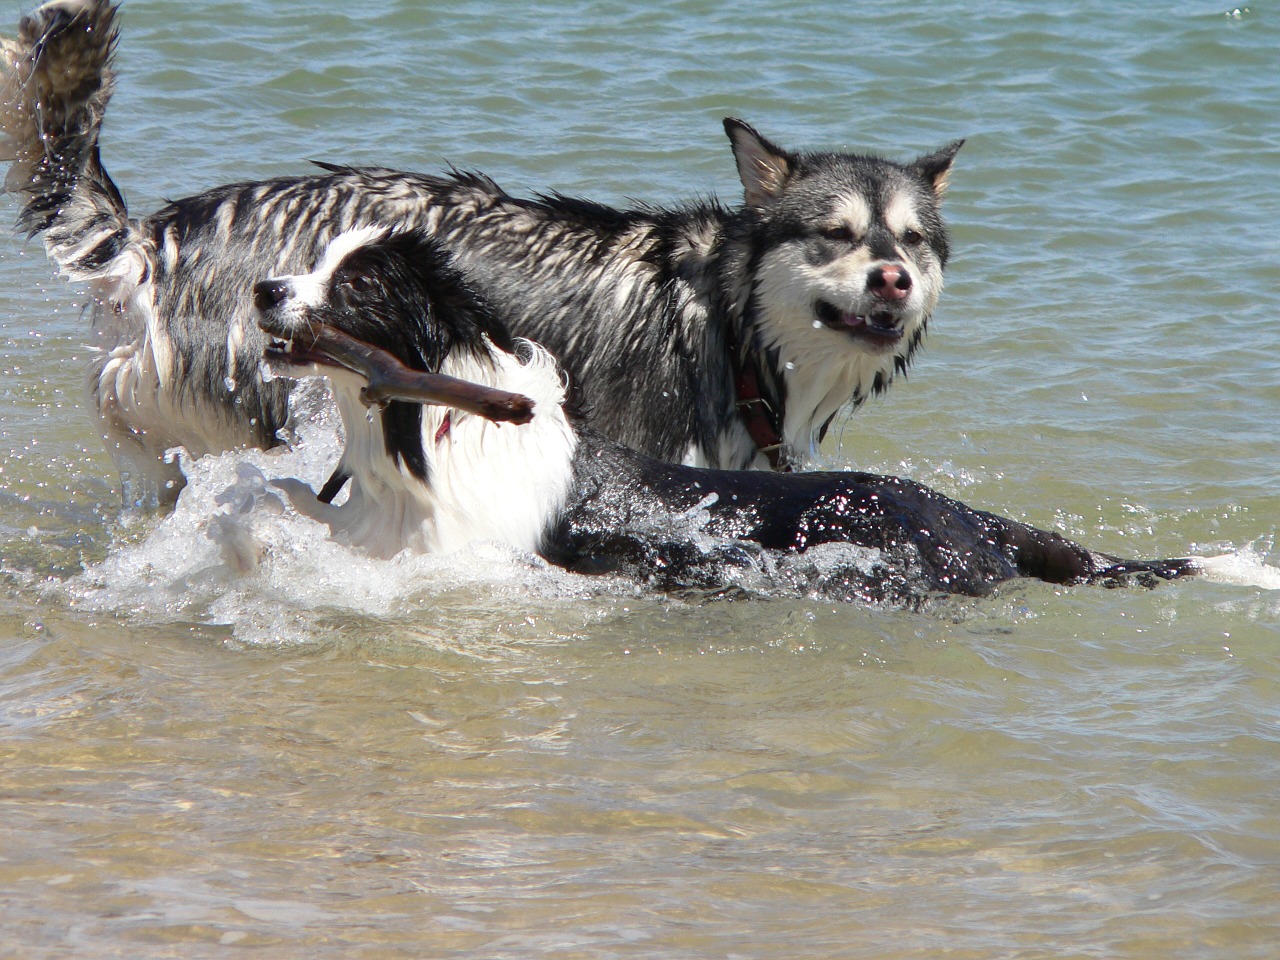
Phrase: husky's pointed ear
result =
(935, 169)
(763, 167)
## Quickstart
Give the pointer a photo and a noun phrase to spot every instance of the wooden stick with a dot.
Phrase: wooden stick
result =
(389, 379)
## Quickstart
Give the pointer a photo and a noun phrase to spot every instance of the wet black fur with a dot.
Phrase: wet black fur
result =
(404, 296)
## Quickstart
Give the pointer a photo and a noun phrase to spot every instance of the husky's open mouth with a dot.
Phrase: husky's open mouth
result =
(883, 327)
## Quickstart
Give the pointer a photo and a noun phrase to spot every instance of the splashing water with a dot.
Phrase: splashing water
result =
(1248, 566)
(234, 551)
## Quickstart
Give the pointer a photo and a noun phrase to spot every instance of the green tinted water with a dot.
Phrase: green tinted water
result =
(474, 758)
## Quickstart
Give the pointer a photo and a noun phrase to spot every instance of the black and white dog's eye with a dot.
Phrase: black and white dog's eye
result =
(841, 234)
(355, 282)
(913, 238)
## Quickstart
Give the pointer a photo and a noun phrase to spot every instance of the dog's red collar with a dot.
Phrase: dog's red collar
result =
(755, 413)
(446, 425)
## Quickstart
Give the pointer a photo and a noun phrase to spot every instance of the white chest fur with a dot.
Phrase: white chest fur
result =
(485, 481)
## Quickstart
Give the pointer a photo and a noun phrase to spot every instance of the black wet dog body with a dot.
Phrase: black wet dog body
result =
(582, 501)
(927, 543)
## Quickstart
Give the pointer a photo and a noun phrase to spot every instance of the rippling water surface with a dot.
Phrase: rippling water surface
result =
(221, 731)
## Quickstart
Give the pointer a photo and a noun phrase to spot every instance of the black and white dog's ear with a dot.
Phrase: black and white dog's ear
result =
(763, 167)
(935, 168)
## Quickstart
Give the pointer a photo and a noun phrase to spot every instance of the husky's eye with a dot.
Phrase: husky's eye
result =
(913, 238)
(840, 234)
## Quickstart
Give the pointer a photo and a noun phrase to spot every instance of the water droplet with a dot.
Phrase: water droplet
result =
(790, 364)
(230, 384)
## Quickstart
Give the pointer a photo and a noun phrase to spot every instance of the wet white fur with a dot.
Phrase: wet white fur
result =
(854, 212)
(485, 481)
(132, 381)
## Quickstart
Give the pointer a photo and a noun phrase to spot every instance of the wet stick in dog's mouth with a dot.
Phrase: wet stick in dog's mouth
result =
(388, 379)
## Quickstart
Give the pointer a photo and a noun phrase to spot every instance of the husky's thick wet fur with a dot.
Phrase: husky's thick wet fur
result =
(704, 334)
(429, 478)
(170, 371)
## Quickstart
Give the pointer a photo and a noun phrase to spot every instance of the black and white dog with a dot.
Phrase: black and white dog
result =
(430, 478)
(699, 334)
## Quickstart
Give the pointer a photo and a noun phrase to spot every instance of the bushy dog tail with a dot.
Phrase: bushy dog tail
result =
(55, 80)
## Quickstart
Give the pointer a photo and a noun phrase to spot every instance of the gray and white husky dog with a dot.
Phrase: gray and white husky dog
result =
(701, 333)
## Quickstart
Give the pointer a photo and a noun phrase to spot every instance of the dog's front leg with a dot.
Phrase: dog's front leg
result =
(304, 500)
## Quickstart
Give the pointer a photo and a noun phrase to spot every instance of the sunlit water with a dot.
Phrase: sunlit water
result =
(221, 730)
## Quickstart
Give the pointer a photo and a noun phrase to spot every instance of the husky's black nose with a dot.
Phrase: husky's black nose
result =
(269, 293)
(889, 282)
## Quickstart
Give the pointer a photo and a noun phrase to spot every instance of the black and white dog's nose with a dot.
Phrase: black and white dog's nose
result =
(269, 293)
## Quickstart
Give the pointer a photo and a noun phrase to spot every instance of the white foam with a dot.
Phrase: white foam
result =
(1246, 567)
(234, 551)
